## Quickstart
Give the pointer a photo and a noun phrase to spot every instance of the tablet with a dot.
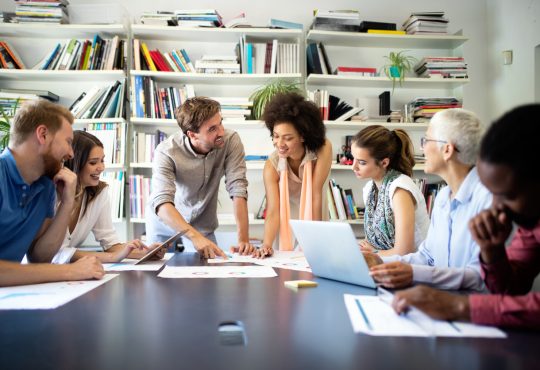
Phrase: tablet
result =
(148, 255)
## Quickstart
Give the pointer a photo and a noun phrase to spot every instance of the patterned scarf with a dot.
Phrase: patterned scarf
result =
(379, 216)
(306, 202)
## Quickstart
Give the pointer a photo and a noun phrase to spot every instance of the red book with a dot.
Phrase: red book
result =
(357, 69)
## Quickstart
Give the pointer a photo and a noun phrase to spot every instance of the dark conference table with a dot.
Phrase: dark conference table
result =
(140, 321)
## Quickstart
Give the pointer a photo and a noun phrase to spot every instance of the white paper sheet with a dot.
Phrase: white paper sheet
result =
(48, 295)
(284, 260)
(128, 264)
(370, 315)
(209, 272)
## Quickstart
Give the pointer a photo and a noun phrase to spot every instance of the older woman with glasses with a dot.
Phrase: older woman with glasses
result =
(448, 258)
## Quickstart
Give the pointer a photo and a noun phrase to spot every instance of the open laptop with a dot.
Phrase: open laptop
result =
(332, 251)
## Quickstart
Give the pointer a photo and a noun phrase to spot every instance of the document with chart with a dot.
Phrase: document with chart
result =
(371, 315)
(48, 295)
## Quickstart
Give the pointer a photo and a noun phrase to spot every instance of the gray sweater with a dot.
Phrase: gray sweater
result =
(191, 181)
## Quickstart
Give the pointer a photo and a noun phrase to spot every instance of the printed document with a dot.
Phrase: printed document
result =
(128, 264)
(211, 272)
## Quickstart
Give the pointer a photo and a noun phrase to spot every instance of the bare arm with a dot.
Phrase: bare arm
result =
(242, 223)
(403, 206)
(271, 222)
(52, 232)
(12, 273)
(320, 174)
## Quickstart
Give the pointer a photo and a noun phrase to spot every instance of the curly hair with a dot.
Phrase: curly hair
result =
(512, 140)
(383, 143)
(304, 115)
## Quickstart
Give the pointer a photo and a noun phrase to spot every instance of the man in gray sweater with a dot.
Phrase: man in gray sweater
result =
(187, 169)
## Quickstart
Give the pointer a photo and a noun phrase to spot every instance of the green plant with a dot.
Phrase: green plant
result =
(265, 93)
(399, 64)
(4, 129)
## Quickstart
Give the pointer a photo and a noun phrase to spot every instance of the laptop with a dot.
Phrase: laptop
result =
(332, 251)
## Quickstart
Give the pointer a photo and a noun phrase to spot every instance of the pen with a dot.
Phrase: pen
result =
(364, 316)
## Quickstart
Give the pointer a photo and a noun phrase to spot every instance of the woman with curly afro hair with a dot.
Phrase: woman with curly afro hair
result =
(296, 172)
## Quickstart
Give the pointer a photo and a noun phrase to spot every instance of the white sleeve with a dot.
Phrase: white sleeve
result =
(103, 229)
(64, 255)
(449, 278)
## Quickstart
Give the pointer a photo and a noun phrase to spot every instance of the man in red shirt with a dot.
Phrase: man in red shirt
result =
(508, 168)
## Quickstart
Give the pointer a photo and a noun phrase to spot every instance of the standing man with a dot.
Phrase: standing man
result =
(187, 169)
(30, 170)
(508, 168)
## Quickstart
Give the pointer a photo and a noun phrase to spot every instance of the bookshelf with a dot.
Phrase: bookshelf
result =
(32, 42)
(345, 48)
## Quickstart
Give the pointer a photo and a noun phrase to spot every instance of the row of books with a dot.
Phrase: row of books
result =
(341, 203)
(423, 108)
(426, 23)
(331, 107)
(116, 192)
(112, 135)
(101, 102)
(144, 145)
(98, 54)
(9, 59)
(155, 60)
(139, 193)
(41, 11)
(269, 57)
(441, 67)
(430, 191)
(150, 101)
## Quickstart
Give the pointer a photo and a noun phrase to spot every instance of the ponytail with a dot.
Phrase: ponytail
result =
(382, 143)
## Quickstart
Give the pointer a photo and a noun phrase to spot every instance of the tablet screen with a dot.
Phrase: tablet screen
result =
(150, 253)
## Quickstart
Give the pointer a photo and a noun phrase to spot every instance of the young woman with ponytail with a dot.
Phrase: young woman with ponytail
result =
(395, 219)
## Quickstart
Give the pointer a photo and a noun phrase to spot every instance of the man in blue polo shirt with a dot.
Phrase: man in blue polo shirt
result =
(31, 171)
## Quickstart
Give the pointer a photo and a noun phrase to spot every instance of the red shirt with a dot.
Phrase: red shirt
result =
(511, 278)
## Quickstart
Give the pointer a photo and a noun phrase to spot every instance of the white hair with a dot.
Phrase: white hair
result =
(462, 128)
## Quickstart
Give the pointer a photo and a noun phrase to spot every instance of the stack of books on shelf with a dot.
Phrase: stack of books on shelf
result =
(341, 203)
(98, 54)
(150, 101)
(441, 67)
(159, 18)
(198, 18)
(41, 11)
(422, 109)
(234, 109)
(429, 190)
(139, 193)
(356, 71)
(100, 102)
(7, 17)
(155, 60)
(336, 20)
(317, 59)
(426, 23)
(9, 59)
(144, 145)
(281, 24)
(112, 135)
(222, 64)
(116, 192)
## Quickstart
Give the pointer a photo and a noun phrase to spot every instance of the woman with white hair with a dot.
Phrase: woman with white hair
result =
(448, 258)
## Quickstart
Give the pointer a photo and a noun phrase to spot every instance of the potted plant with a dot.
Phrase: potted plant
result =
(399, 64)
(4, 129)
(265, 93)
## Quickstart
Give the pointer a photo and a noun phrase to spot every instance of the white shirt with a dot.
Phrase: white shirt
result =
(421, 217)
(96, 219)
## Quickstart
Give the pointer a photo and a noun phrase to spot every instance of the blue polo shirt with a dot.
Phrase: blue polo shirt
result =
(23, 208)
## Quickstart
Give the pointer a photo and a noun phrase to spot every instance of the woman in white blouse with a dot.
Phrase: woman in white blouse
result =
(92, 209)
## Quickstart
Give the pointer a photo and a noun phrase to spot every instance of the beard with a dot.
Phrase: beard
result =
(51, 165)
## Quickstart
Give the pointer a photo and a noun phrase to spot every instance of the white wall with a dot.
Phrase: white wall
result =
(463, 14)
(513, 26)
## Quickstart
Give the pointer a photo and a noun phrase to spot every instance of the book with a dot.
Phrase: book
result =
(278, 23)
(369, 25)
(384, 103)
(386, 32)
(41, 93)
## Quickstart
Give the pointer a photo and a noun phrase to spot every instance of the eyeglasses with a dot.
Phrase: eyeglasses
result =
(424, 140)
